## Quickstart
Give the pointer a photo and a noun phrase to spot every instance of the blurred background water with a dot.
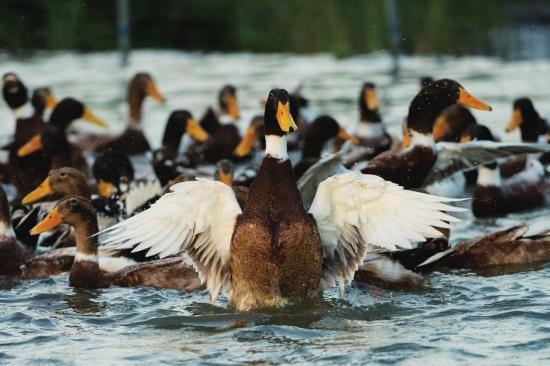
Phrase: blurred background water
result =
(497, 49)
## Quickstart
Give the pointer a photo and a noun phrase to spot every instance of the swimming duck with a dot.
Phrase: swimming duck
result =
(371, 132)
(25, 172)
(132, 140)
(532, 127)
(495, 196)
(321, 130)
(522, 244)
(85, 270)
(53, 139)
(273, 250)
(451, 124)
(410, 167)
(166, 160)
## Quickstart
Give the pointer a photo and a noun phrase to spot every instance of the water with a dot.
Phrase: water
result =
(498, 316)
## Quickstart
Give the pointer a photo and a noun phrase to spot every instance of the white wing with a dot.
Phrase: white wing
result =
(353, 210)
(140, 194)
(196, 217)
(452, 157)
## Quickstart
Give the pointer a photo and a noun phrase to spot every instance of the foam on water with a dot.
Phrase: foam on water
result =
(460, 317)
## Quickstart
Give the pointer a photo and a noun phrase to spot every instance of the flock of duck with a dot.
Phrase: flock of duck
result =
(266, 228)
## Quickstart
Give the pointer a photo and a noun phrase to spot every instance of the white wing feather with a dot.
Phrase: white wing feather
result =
(353, 210)
(196, 217)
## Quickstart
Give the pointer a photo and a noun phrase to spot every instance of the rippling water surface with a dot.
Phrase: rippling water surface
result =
(498, 316)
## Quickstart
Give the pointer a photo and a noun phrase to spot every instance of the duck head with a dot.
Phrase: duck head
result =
(526, 117)
(141, 86)
(425, 81)
(477, 133)
(179, 123)
(60, 183)
(14, 91)
(432, 100)
(42, 99)
(452, 122)
(322, 130)
(69, 110)
(224, 172)
(278, 122)
(368, 103)
(228, 102)
(113, 172)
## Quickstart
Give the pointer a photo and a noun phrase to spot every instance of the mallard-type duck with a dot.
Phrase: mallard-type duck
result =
(16, 259)
(132, 140)
(113, 172)
(321, 131)
(166, 160)
(273, 250)
(495, 196)
(53, 140)
(85, 271)
(371, 132)
(533, 128)
(522, 244)
(411, 166)
(228, 111)
(451, 124)
(25, 172)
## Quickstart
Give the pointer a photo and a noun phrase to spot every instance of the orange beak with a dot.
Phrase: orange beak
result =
(406, 138)
(43, 190)
(154, 93)
(232, 107)
(468, 100)
(515, 120)
(247, 143)
(52, 220)
(371, 99)
(440, 129)
(33, 145)
(195, 131)
(51, 101)
(286, 122)
(465, 139)
(92, 118)
(342, 133)
(104, 189)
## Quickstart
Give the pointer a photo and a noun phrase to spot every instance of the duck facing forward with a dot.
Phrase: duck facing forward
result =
(273, 250)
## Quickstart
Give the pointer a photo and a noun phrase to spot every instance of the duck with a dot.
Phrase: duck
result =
(166, 160)
(85, 271)
(320, 132)
(423, 162)
(229, 111)
(533, 128)
(53, 141)
(132, 141)
(495, 196)
(451, 124)
(24, 172)
(520, 244)
(371, 132)
(273, 251)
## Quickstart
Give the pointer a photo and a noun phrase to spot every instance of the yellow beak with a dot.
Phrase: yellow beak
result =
(52, 220)
(51, 101)
(195, 131)
(406, 138)
(465, 139)
(247, 143)
(154, 93)
(468, 100)
(346, 136)
(105, 189)
(33, 145)
(43, 190)
(92, 118)
(371, 99)
(440, 129)
(232, 107)
(286, 122)
(515, 120)
(225, 178)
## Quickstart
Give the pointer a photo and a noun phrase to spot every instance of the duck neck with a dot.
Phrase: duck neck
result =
(531, 128)
(488, 177)
(313, 147)
(85, 269)
(421, 139)
(276, 147)
(135, 104)
(370, 115)
(22, 112)
(370, 130)
(5, 216)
